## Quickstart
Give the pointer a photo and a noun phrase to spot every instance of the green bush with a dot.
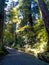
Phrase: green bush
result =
(19, 42)
(3, 51)
(44, 56)
(7, 37)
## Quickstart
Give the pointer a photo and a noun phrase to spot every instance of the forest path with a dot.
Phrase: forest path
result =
(20, 58)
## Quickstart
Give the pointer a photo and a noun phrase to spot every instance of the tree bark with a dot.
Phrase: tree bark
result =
(45, 16)
(1, 29)
(1, 21)
(30, 18)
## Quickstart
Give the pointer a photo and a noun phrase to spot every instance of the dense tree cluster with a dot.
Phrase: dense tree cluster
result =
(28, 19)
(26, 22)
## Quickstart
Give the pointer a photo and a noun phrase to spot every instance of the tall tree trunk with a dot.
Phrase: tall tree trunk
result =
(30, 17)
(45, 16)
(1, 21)
(1, 29)
(30, 20)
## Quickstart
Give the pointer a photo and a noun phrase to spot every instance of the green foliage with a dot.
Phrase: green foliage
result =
(38, 33)
(35, 35)
(13, 15)
(19, 41)
(40, 30)
(3, 51)
(7, 37)
(47, 4)
(10, 29)
(44, 56)
(26, 8)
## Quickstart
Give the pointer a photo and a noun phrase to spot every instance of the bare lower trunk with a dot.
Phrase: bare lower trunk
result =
(1, 29)
(2, 2)
(30, 20)
(45, 16)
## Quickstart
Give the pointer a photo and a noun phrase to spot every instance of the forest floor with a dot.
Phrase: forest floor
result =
(19, 58)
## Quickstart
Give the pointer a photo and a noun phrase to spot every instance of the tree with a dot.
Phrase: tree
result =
(45, 16)
(2, 2)
(13, 19)
(25, 9)
(13, 15)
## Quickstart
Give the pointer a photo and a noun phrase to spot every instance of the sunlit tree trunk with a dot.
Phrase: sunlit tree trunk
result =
(45, 16)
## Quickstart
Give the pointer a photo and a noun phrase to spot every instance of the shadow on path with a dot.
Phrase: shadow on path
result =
(20, 58)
